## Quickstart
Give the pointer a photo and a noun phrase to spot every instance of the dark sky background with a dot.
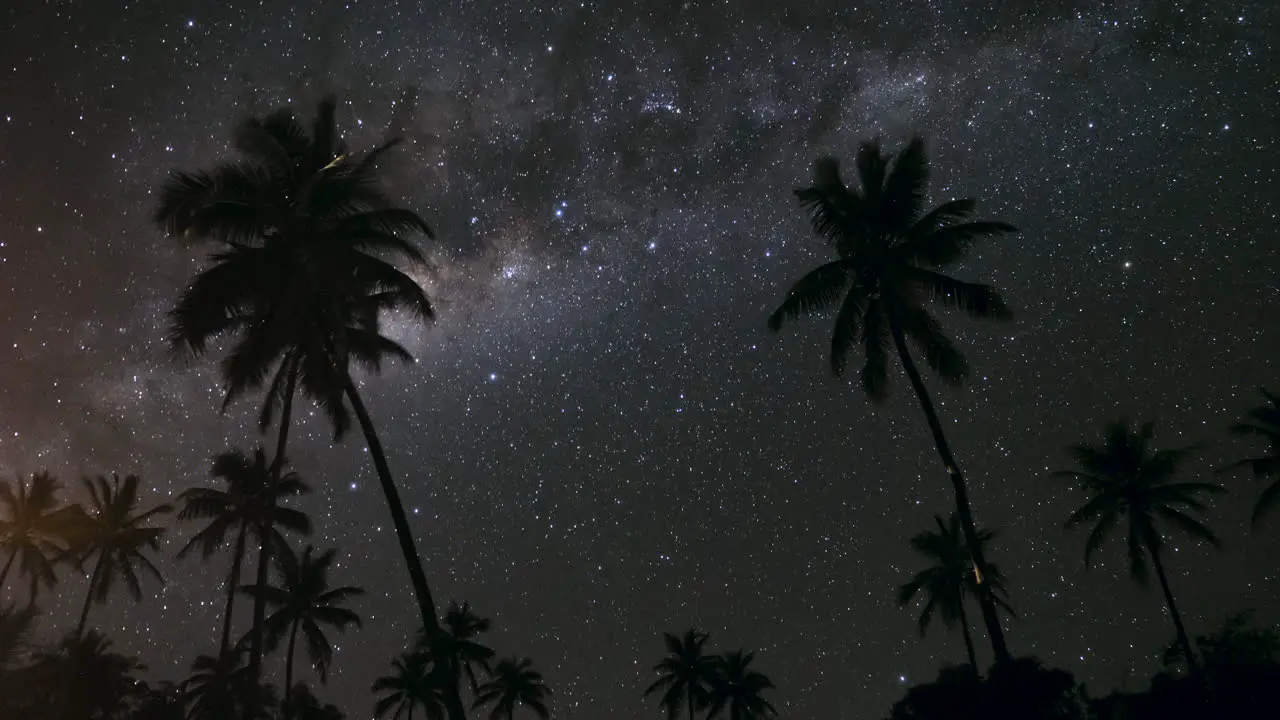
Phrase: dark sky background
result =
(601, 440)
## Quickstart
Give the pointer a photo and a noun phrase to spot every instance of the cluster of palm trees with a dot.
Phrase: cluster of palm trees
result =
(691, 681)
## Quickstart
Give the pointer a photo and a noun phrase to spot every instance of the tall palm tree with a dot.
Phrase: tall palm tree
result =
(119, 536)
(412, 685)
(950, 578)
(1262, 421)
(35, 530)
(1125, 478)
(514, 682)
(889, 253)
(298, 282)
(685, 674)
(738, 690)
(304, 602)
(462, 626)
(240, 509)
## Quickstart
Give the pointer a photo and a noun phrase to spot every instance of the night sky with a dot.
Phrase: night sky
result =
(601, 440)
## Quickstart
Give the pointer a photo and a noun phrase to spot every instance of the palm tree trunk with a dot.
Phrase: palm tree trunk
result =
(4, 574)
(233, 584)
(88, 598)
(1183, 640)
(690, 706)
(252, 688)
(288, 672)
(426, 604)
(968, 639)
(985, 601)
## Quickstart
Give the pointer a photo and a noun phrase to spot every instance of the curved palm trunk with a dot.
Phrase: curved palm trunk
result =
(88, 598)
(985, 601)
(1183, 640)
(252, 700)
(232, 584)
(968, 639)
(426, 604)
(288, 673)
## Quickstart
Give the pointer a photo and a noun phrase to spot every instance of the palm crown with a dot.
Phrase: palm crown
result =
(35, 529)
(1263, 422)
(411, 686)
(685, 674)
(737, 690)
(514, 682)
(889, 252)
(462, 626)
(952, 576)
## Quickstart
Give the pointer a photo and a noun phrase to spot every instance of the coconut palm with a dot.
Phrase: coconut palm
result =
(514, 683)
(241, 509)
(304, 603)
(36, 530)
(737, 690)
(411, 686)
(685, 674)
(1262, 421)
(889, 254)
(118, 536)
(215, 690)
(950, 578)
(462, 626)
(1125, 478)
(296, 281)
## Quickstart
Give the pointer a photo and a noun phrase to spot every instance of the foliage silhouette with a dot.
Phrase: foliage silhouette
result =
(738, 691)
(889, 252)
(462, 627)
(685, 674)
(1262, 421)
(306, 706)
(16, 626)
(105, 682)
(241, 509)
(215, 690)
(951, 576)
(36, 530)
(1019, 690)
(411, 685)
(118, 537)
(1125, 478)
(514, 683)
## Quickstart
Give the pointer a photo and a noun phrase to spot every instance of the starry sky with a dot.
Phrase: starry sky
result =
(600, 439)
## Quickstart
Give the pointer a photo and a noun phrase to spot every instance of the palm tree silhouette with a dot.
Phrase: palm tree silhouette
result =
(296, 281)
(685, 674)
(888, 252)
(1126, 479)
(738, 690)
(1262, 421)
(16, 626)
(215, 688)
(306, 706)
(412, 685)
(36, 530)
(951, 576)
(514, 682)
(106, 683)
(118, 536)
(462, 627)
(304, 602)
(240, 509)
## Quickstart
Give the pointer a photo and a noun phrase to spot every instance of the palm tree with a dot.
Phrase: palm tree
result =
(685, 674)
(1264, 422)
(15, 635)
(242, 508)
(304, 602)
(215, 689)
(738, 689)
(888, 255)
(412, 685)
(296, 282)
(951, 576)
(306, 706)
(1126, 479)
(462, 626)
(35, 530)
(514, 682)
(105, 682)
(119, 537)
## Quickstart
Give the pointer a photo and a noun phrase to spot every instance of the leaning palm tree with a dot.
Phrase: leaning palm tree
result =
(1262, 421)
(35, 530)
(298, 226)
(241, 509)
(1125, 478)
(118, 537)
(412, 685)
(889, 254)
(950, 578)
(304, 603)
(685, 674)
(514, 682)
(737, 690)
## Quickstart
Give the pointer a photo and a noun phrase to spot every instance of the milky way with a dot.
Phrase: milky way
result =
(601, 440)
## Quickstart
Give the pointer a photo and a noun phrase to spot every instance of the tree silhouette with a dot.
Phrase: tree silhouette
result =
(118, 537)
(215, 689)
(104, 683)
(412, 685)
(951, 576)
(737, 690)
(241, 509)
(163, 702)
(304, 602)
(306, 706)
(16, 626)
(36, 530)
(888, 253)
(462, 627)
(1262, 421)
(297, 280)
(685, 674)
(1125, 478)
(514, 682)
